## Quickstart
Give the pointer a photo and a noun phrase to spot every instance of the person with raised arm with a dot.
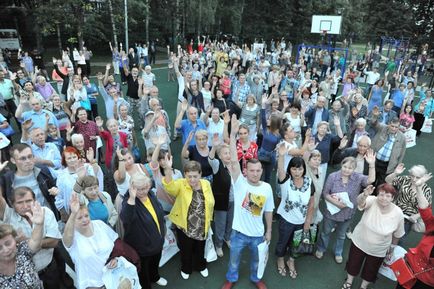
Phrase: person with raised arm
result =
(253, 199)
(192, 213)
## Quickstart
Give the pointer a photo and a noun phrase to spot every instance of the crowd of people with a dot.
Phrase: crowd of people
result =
(258, 134)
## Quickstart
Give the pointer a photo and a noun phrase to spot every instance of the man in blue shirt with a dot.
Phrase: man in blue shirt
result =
(45, 154)
(191, 123)
(37, 115)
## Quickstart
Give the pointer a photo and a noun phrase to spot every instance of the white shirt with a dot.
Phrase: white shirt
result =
(215, 128)
(294, 205)
(51, 230)
(90, 254)
(250, 203)
(148, 79)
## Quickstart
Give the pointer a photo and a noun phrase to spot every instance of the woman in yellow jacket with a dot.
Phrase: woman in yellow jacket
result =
(191, 213)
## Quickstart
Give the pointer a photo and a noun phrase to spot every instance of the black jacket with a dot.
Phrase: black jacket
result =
(44, 179)
(141, 232)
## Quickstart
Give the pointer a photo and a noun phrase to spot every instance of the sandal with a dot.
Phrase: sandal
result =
(292, 271)
(281, 268)
(347, 285)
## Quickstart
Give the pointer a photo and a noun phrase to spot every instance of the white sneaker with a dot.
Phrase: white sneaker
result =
(162, 282)
(219, 252)
(185, 276)
(204, 273)
(349, 234)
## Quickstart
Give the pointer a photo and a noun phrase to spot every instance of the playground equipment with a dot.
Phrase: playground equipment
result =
(326, 25)
(401, 45)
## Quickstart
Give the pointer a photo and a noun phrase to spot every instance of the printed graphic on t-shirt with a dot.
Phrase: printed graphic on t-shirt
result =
(254, 203)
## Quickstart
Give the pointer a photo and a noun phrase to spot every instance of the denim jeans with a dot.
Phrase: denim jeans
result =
(286, 233)
(341, 229)
(238, 242)
(223, 225)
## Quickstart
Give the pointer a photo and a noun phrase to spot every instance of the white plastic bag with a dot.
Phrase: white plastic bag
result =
(263, 257)
(170, 248)
(210, 253)
(124, 273)
(427, 125)
(410, 138)
(385, 270)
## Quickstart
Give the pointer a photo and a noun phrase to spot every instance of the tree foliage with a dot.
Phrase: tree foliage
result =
(90, 20)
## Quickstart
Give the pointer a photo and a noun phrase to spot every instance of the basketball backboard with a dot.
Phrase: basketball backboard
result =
(326, 23)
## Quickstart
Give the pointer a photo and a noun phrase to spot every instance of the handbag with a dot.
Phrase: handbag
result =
(265, 156)
(404, 273)
(122, 249)
(304, 242)
(263, 255)
(210, 252)
(427, 125)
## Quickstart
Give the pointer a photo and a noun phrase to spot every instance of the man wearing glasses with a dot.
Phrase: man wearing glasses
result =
(28, 175)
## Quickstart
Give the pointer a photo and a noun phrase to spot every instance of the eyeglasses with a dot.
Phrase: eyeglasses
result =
(23, 159)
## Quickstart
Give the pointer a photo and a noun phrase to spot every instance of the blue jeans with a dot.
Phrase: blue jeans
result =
(341, 229)
(238, 242)
(223, 225)
(286, 233)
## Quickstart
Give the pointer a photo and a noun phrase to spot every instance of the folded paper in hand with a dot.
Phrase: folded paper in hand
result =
(344, 198)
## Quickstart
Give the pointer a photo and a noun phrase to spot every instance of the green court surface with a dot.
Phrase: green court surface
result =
(312, 273)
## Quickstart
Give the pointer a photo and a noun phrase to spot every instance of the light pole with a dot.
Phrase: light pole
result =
(126, 26)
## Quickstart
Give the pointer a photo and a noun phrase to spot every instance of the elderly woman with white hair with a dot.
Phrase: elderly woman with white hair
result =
(407, 191)
(358, 108)
(358, 131)
(44, 88)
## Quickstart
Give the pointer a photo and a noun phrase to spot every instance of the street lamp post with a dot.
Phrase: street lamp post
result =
(126, 26)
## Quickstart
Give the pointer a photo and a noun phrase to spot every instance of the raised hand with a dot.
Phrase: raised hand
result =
(169, 161)
(400, 168)
(74, 203)
(37, 215)
(311, 145)
(53, 191)
(184, 105)
(216, 141)
(3, 165)
(308, 133)
(344, 142)
(81, 171)
(108, 66)
(235, 124)
(422, 180)
(190, 137)
(369, 190)
(370, 157)
(90, 154)
(226, 117)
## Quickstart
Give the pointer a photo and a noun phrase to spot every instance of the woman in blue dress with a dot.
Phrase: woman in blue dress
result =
(376, 95)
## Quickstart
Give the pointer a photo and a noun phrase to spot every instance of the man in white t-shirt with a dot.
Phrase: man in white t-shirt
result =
(252, 200)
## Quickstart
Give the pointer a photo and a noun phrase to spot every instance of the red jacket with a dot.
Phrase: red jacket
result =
(420, 257)
(109, 142)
